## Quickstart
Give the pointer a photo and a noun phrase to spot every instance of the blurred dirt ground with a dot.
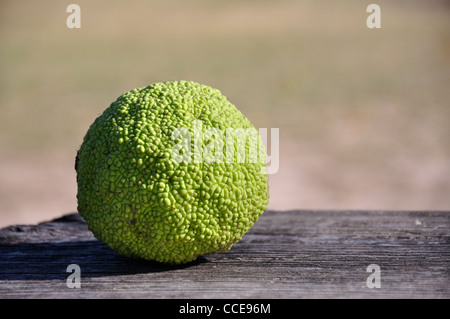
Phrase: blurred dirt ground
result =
(363, 114)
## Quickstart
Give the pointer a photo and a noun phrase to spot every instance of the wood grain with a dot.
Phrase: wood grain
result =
(288, 254)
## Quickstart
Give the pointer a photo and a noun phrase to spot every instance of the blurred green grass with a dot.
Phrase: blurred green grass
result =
(352, 104)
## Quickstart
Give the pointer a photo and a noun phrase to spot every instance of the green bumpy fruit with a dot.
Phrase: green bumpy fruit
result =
(141, 202)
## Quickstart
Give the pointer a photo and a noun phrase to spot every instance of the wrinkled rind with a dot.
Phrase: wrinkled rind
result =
(142, 204)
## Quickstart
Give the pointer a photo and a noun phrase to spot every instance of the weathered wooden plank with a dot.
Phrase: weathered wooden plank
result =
(291, 254)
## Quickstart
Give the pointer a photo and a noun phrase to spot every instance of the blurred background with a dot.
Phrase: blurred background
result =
(363, 113)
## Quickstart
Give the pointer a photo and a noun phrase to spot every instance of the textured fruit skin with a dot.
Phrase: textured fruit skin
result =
(140, 202)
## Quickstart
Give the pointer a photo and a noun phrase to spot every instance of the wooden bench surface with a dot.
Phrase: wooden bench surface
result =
(286, 254)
